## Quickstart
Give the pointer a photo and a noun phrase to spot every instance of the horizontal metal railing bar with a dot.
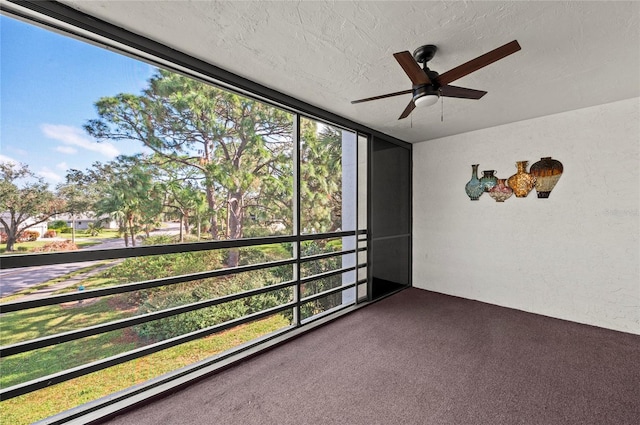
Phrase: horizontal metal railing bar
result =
(327, 293)
(21, 347)
(325, 274)
(326, 255)
(93, 293)
(50, 258)
(335, 235)
(136, 286)
(76, 372)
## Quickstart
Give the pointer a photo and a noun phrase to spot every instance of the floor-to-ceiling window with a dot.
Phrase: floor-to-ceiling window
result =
(179, 221)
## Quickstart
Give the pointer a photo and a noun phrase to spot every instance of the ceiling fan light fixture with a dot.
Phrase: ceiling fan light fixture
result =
(426, 100)
(424, 96)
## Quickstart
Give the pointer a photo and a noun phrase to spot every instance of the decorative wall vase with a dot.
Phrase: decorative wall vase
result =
(547, 172)
(501, 192)
(473, 187)
(488, 180)
(521, 182)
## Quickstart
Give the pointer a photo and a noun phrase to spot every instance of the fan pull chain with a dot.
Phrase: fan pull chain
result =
(441, 109)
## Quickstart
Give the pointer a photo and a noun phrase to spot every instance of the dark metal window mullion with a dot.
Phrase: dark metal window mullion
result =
(297, 317)
(357, 224)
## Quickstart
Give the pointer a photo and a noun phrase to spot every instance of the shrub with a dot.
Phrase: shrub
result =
(94, 229)
(28, 236)
(198, 319)
(50, 234)
(57, 246)
(58, 225)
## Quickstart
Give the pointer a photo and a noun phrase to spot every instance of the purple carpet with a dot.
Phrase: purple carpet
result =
(419, 357)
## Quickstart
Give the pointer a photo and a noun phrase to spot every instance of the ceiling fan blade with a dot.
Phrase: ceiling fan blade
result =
(479, 62)
(461, 92)
(410, 107)
(411, 67)
(382, 96)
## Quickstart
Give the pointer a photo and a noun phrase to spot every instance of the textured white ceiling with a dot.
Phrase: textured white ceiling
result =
(574, 54)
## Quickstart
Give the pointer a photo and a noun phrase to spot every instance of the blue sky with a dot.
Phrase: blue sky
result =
(48, 86)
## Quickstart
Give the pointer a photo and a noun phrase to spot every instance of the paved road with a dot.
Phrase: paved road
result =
(14, 280)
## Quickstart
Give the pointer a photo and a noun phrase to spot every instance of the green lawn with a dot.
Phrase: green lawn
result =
(58, 398)
(25, 247)
(35, 323)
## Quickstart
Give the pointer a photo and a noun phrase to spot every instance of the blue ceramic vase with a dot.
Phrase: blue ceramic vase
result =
(474, 187)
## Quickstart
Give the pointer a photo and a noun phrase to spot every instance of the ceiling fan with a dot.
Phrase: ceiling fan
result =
(428, 85)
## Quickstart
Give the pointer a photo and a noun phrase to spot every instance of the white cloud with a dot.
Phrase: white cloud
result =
(75, 137)
(49, 175)
(17, 151)
(62, 166)
(66, 150)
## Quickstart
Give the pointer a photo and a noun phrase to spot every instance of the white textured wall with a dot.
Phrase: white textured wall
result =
(574, 256)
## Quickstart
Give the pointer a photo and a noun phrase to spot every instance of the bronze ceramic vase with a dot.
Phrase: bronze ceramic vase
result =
(547, 172)
(521, 182)
(501, 192)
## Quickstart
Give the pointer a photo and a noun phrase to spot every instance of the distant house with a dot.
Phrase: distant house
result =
(41, 228)
(82, 221)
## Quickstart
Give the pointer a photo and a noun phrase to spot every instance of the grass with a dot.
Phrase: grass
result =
(25, 247)
(58, 398)
(35, 323)
(82, 240)
(38, 322)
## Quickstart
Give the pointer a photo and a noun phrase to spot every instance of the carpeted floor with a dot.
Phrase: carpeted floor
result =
(419, 357)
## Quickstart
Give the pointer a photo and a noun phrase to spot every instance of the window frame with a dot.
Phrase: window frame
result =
(70, 22)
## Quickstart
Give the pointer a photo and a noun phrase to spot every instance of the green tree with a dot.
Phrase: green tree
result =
(79, 199)
(25, 201)
(236, 144)
(125, 190)
(131, 193)
(94, 229)
(320, 178)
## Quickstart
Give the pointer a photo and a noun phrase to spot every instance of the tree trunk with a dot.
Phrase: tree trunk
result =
(181, 226)
(186, 224)
(11, 241)
(235, 218)
(211, 202)
(131, 230)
